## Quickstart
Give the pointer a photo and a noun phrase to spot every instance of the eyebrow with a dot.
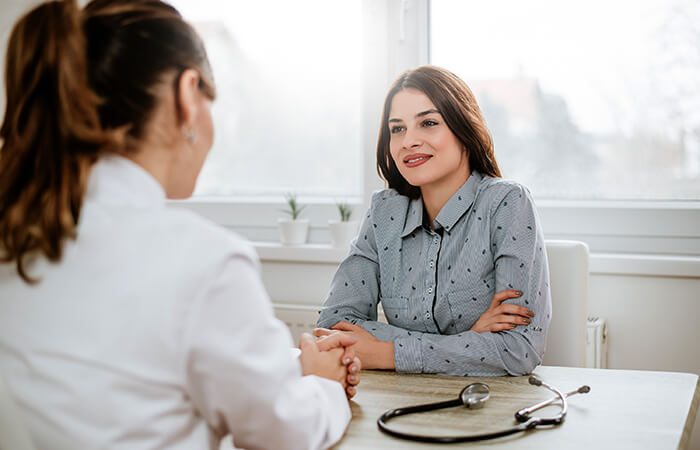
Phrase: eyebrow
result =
(420, 114)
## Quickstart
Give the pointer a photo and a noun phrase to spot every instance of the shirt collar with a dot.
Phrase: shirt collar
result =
(117, 180)
(414, 216)
(453, 210)
(459, 203)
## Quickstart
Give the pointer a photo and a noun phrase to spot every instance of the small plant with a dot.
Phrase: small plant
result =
(294, 208)
(345, 211)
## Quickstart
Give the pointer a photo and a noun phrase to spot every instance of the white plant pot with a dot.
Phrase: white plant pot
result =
(342, 232)
(293, 232)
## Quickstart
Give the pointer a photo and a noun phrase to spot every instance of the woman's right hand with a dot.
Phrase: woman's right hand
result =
(326, 364)
(353, 363)
(502, 316)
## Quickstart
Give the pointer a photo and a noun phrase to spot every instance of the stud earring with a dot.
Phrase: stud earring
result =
(190, 134)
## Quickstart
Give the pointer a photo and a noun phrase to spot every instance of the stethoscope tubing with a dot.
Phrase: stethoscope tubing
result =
(381, 423)
(522, 416)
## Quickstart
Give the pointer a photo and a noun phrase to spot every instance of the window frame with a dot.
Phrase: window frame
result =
(396, 37)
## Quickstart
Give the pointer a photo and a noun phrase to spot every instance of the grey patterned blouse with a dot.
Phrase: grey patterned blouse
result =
(434, 285)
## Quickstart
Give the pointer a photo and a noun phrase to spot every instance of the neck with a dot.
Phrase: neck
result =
(157, 162)
(436, 194)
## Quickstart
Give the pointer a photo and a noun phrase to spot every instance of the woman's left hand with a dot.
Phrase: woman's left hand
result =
(373, 353)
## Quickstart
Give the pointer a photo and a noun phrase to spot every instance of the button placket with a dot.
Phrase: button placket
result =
(429, 285)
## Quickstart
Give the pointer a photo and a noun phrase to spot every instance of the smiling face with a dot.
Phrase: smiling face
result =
(424, 149)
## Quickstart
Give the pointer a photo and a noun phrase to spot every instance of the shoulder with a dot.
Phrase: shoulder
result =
(495, 191)
(382, 195)
(388, 208)
(388, 201)
(203, 239)
(500, 187)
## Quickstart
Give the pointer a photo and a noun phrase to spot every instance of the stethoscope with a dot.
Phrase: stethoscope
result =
(473, 397)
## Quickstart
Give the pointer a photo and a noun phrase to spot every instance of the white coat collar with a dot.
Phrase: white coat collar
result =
(117, 180)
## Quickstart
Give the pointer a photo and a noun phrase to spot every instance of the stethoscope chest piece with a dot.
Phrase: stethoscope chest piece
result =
(475, 395)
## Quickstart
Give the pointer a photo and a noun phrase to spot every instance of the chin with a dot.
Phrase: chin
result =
(418, 181)
(180, 194)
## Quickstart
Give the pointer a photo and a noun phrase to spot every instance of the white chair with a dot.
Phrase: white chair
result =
(568, 276)
(13, 434)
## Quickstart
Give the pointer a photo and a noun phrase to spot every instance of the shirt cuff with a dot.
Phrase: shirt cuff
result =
(408, 355)
(337, 408)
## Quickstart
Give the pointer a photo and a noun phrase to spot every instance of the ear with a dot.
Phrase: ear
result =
(187, 92)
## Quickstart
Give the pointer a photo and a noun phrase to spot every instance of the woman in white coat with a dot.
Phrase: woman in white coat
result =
(123, 323)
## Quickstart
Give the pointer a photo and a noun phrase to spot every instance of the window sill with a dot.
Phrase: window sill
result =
(307, 253)
(600, 263)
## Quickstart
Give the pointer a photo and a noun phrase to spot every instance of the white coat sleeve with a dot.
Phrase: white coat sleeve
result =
(241, 374)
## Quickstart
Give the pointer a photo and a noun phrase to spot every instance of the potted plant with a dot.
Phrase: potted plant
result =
(343, 230)
(293, 230)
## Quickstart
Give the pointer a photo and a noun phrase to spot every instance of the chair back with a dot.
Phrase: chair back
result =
(568, 277)
(13, 434)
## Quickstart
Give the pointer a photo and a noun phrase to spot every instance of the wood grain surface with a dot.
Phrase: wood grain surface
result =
(625, 409)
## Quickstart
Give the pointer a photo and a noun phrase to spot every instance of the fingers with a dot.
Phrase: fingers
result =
(348, 356)
(334, 340)
(318, 332)
(507, 322)
(353, 378)
(354, 372)
(501, 326)
(500, 297)
(345, 326)
(306, 342)
(507, 308)
(356, 365)
(350, 391)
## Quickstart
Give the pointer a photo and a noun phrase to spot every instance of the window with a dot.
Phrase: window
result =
(287, 116)
(590, 117)
(585, 100)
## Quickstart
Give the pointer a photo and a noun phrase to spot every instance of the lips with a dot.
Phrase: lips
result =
(416, 159)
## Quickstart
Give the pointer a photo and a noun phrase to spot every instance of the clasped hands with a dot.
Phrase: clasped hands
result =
(332, 357)
(376, 354)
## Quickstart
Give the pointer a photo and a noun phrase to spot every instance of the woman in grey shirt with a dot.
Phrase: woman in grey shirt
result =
(454, 254)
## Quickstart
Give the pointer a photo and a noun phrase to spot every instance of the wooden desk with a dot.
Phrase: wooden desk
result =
(625, 409)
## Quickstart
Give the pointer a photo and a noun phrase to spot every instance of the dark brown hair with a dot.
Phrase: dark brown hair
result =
(457, 105)
(78, 84)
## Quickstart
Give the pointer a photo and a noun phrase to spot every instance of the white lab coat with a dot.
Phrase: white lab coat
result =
(154, 331)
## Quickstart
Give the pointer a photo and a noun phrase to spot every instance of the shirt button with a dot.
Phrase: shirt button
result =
(427, 315)
(431, 264)
(436, 240)
(430, 290)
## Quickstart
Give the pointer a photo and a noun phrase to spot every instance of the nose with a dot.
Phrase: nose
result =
(411, 139)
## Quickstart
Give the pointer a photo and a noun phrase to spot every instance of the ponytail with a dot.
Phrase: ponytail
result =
(51, 134)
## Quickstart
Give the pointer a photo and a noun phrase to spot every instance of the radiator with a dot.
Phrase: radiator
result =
(298, 318)
(302, 319)
(596, 343)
